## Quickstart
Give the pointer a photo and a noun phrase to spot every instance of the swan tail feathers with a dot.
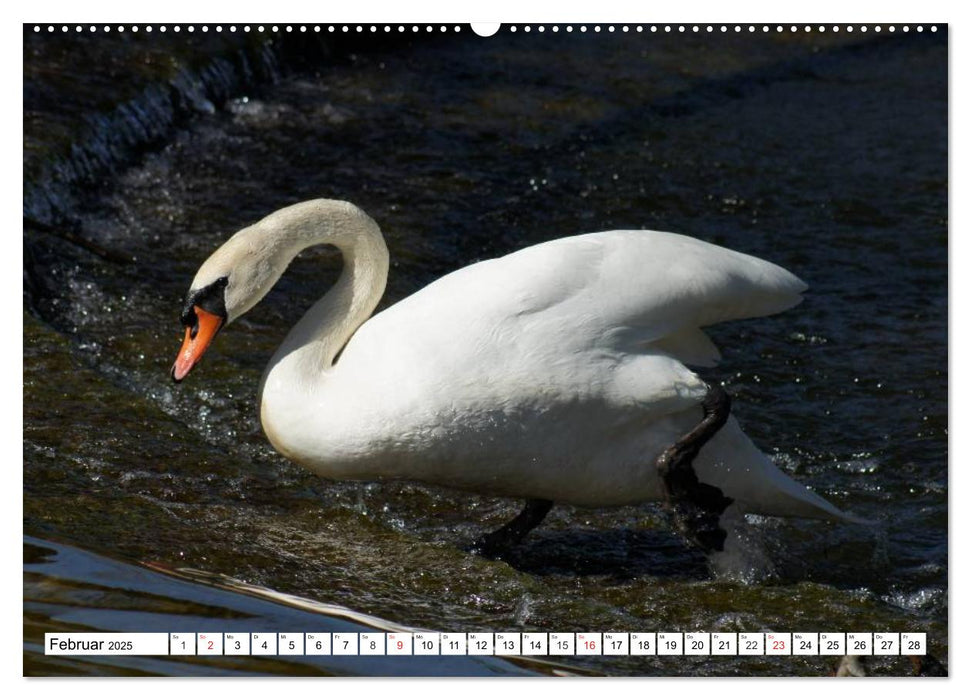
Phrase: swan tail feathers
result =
(745, 474)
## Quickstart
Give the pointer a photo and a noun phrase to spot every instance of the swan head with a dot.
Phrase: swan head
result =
(245, 268)
(203, 315)
(229, 284)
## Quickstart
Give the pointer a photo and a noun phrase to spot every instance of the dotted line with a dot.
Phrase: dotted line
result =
(414, 28)
(724, 28)
(232, 28)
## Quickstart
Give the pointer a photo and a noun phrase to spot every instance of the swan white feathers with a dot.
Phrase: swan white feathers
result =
(556, 372)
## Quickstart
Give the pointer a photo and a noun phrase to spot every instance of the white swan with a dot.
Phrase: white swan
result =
(556, 372)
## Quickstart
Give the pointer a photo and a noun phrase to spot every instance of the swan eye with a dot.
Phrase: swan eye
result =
(210, 298)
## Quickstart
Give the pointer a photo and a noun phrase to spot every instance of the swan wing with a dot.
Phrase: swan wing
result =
(619, 291)
(611, 316)
(633, 288)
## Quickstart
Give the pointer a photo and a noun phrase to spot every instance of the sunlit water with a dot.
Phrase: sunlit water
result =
(827, 157)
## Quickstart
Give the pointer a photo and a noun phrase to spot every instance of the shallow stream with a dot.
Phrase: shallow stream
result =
(825, 154)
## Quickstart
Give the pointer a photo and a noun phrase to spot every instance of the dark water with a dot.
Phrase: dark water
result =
(825, 154)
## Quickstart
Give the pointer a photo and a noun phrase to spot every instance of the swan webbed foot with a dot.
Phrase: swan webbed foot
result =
(512, 533)
(694, 506)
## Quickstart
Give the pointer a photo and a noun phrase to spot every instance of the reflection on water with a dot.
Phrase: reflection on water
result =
(825, 154)
(70, 590)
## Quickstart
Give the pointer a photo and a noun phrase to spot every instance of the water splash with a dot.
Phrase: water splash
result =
(745, 558)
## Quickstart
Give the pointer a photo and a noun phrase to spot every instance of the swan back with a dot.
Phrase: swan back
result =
(616, 291)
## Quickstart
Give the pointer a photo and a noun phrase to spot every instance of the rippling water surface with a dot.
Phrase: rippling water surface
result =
(825, 155)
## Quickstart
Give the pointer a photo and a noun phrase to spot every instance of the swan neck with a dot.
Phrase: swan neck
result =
(310, 349)
(351, 301)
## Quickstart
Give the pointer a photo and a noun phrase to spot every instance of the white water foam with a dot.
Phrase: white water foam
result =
(744, 558)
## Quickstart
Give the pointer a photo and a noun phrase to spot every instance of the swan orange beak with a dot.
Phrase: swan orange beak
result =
(197, 340)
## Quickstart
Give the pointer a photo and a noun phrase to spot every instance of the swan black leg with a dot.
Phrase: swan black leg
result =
(694, 506)
(515, 530)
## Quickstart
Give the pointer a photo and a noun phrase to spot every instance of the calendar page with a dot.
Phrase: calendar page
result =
(512, 349)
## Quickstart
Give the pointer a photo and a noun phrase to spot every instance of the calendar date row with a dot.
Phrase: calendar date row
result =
(490, 643)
